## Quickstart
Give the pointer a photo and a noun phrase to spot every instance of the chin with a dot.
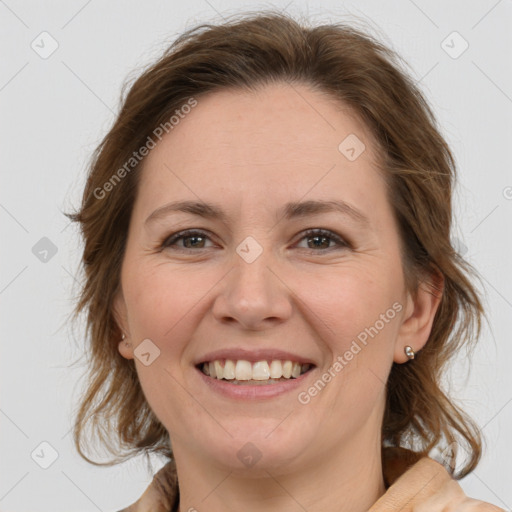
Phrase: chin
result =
(257, 446)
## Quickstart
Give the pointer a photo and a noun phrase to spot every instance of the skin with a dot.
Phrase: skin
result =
(251, 152)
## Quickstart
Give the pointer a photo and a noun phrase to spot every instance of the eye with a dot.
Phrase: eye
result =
(320, 237)
(194, 239)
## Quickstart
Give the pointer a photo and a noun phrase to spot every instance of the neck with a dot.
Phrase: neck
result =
(349, 480)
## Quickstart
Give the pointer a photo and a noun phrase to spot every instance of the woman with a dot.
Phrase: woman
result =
(272, 293)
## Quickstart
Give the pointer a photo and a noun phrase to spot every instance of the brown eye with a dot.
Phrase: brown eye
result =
(192, 240)
(321, 239)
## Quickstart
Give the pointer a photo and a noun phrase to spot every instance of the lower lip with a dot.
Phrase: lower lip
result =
(247, 391)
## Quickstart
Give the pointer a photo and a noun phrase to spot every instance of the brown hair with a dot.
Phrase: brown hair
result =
(356, 70)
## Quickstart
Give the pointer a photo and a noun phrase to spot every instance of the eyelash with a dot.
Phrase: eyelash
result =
(172, 239)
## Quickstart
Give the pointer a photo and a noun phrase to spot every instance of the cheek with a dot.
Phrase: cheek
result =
(347, 302)
(160, 305)
(160, 300)
(358, 325)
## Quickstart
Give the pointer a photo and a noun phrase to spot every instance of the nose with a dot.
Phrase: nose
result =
(253, 295)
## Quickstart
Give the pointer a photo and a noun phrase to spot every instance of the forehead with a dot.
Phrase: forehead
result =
(280, 143)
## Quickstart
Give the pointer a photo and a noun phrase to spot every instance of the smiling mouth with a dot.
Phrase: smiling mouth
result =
(242, 372)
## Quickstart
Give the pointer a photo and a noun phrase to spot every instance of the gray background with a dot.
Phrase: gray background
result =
(55, 110)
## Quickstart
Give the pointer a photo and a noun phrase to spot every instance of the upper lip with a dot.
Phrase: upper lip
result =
(253, 356)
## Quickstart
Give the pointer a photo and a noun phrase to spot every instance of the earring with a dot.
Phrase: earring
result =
(409, 352)
(126, 343)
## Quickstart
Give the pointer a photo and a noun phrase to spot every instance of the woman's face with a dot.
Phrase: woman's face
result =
(253, 285)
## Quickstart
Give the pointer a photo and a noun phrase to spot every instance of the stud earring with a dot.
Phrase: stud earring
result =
(409, 352)
(126, 342)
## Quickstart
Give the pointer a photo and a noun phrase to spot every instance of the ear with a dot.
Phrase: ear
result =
(419, 316)
(121, 317)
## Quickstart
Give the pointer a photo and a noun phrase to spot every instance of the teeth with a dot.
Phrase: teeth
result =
(287, 369)
(260, 370)
(242, 370)
(229, 369)
(296, 370)
(218, 368)
(276, 369)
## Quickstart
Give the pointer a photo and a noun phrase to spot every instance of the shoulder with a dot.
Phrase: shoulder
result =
(450, 496)
(421, 484)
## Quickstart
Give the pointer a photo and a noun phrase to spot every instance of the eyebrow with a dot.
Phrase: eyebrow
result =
(290, 210)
